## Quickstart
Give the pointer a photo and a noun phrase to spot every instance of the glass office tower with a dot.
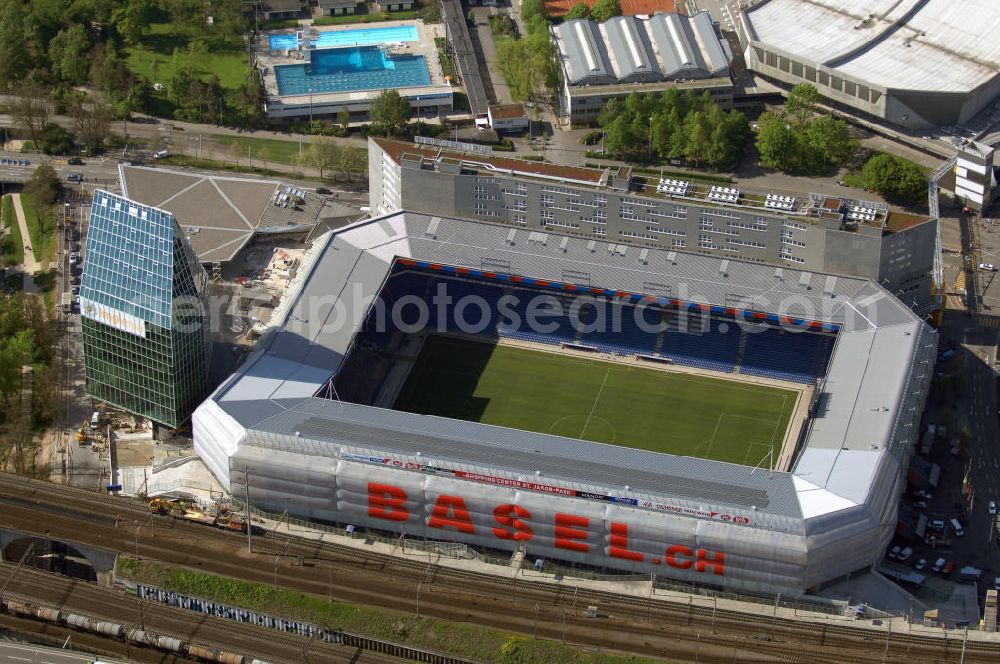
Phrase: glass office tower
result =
(146, 337)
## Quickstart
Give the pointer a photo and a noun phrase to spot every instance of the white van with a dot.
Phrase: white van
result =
(94, 419)
(957, 527)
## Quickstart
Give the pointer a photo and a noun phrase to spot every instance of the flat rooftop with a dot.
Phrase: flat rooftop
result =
(809, 208)
(218, 214)
(932, 45)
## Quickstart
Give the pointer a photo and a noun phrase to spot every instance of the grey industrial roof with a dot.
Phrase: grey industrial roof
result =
(627, 49)
(271, 395)
(934, 45)
(218, 214)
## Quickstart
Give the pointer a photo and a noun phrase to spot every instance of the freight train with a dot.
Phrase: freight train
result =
(123, 632)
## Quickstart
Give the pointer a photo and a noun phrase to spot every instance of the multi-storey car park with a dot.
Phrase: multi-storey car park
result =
(820, 233)
(915, 63)
(315, 416)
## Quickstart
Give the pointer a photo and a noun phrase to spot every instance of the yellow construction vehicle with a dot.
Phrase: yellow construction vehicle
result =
(161, 506)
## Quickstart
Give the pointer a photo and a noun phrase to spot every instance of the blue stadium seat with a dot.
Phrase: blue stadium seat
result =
(800, 357)
(705, 344)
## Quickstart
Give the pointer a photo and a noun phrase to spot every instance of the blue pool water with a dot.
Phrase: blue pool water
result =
(345, 69)
(363, 36)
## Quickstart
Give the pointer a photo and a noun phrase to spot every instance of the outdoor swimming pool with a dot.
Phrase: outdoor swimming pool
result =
(363, 36)
(355, 68)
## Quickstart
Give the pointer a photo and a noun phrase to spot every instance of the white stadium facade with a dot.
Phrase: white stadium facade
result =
(750, 528)
(915, 63)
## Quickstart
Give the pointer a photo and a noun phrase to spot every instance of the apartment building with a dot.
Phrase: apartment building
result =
(614, 206)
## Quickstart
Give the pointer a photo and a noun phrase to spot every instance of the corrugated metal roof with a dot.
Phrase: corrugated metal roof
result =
(627, 49)
(939, 45)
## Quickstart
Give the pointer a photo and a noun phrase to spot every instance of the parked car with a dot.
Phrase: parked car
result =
(992, 506)
(322, 190)
(920, 565)
(936, 525)
(996, 583)
(923, 493)
(948, 569)
(987, 267)
(75, 290)
(75, 161)
(905, 554)
(920, 504)
(74, 258)
(894, 553)
(939, 565)
(160, 154)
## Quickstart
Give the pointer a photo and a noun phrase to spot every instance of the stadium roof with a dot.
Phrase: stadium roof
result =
(938, 45)
(627, 49)
(271, 397)
(219, 215)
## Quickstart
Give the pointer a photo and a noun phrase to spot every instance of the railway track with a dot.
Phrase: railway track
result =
(117, 606)
(651, 627)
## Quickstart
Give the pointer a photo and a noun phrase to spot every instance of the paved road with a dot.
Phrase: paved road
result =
(16, 653)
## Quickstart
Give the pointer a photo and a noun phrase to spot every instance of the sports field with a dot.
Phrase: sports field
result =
(607, 402)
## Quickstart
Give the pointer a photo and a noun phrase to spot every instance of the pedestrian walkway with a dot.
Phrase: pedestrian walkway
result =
(30, 265)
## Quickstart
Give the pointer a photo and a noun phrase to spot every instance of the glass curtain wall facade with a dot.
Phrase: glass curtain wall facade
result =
(142, 301)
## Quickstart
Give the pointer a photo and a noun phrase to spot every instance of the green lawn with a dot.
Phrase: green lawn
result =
(13, 245)
(364, 17)
(41, 223)
(607, 402)
(285, 152)
(154, 59)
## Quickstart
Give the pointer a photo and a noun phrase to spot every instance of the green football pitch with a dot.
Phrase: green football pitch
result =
(607, 402)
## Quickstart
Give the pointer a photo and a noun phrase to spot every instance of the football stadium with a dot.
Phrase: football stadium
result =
(710, 420)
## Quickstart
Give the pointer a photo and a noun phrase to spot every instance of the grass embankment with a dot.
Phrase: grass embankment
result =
(232, 166)
(262, 149)
(13, 243)
(482, 644)
(41, 221)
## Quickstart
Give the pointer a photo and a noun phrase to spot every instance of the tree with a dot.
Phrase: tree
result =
(895, 178)
(322, 154)
(801, 103)
(131, 20)
(579, 10)
(698, 136)
(344, 120)
(251, 99)
(605, 9)
(31, 109)
(532, 8)
(831, 139)
(389, 113)
(68, 53)
(56, 140)
(619, 139)
(776, 142)
(15, 59)
(93, 118)
(43, 186)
